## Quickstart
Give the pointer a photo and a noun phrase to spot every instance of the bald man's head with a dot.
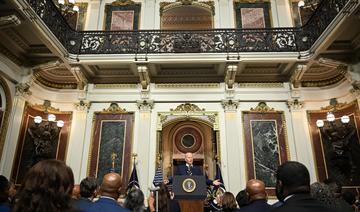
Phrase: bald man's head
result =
(111, 185)
(256, 189)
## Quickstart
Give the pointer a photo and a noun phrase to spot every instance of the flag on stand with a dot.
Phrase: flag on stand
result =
(158, 178)
(133, 181)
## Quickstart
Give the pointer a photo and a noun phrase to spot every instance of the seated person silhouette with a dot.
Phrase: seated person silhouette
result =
(189, 169)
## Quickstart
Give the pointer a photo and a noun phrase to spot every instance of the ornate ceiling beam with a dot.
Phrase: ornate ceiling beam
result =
(298, 73)
(80, 77)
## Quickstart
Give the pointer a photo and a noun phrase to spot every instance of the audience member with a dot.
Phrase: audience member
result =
(228, 202)
(323, 194)
(109, 193)
(242, 198)
(12, 193)
(4, 194)
(135, 201)
(76, 192)
(336, 187)
(165, 203)
(293, 188)
(257, 197)
(47, 187)
(350, 198)
(88, 187)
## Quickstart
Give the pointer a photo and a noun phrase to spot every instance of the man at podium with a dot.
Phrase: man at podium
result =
(189, 169)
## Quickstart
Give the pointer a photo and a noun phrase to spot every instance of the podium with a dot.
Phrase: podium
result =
(190, 191)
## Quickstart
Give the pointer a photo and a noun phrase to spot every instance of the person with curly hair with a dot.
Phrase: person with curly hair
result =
(165, 203)
(47, 187)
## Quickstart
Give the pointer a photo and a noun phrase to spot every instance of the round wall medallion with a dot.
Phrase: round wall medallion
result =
(188, 139)
(189, 185)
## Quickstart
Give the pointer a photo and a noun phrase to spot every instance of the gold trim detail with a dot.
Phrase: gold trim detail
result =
(110, 86)
(261, 85)
(187, 107)
(114, 108)
(46, 107)
(262, 108)
(188, 85)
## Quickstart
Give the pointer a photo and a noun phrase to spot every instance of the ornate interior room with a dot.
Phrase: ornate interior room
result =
(243, 84)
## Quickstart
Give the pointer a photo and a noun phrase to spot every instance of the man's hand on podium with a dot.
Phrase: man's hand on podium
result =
(216, 183)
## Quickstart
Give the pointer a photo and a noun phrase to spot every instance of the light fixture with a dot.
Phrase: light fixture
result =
(37, 119)
(60, 123)
(301, 4)
(51, 117)
(330, 117)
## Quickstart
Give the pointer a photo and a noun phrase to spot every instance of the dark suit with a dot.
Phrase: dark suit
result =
(106, 205)
(257, 205)
(82, 204)
(185, 170)
(193, 170)
(302, 203)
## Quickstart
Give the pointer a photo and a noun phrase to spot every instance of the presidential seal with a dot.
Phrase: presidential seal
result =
(189, 185)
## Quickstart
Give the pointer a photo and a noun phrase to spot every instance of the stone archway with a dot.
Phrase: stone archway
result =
(5, 106)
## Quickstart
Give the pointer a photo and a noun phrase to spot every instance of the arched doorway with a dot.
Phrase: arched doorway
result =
(5, 109)
(188, 129)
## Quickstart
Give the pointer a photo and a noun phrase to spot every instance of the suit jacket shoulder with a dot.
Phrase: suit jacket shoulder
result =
(106, 205)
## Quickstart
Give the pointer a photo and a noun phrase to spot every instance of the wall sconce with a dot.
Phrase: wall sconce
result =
(301, 4)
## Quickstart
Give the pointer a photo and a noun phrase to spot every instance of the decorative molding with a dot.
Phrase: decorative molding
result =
(114, 108)
(46, 107)
(297, 74)
(23, 89)
(115, 86)
(79, 76)
(295, 104)
(261, 85)
(188, 85)
(9, 21)
(335, 105)
(187, 107)
(145, 105)
(82, 105)
(230, 105)
(262, 108)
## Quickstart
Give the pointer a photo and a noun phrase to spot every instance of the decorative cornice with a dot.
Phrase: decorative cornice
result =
(23, 89)
(188, 85)
(295, 104)
(114, 108)
(82, 105)
(230, 105)
(187, 107)
(145, 105)
(261, 85)
(262, 108)
(114, 86)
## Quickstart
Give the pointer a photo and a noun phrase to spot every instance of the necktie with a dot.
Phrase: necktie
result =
(189, 170)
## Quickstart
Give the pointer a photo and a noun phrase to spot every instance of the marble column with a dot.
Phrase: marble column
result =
(143, 143)
(93, 19)
(281, 13)
(302, 138)
(76, 143)
(233, 151)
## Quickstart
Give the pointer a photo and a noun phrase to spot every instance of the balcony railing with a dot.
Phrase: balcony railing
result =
(188, 41)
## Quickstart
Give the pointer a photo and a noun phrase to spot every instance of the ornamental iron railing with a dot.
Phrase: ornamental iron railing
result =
(188, 41)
